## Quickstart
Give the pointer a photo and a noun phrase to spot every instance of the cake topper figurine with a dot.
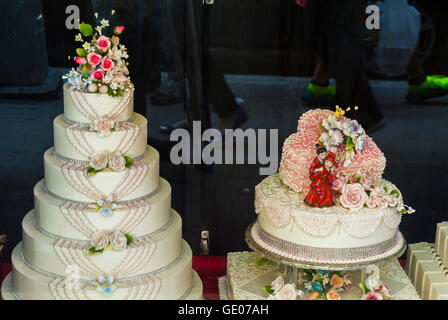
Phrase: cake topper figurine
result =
(321, 175)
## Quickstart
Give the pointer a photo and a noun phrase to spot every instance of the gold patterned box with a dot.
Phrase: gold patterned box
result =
(426, 271)
(442, 241)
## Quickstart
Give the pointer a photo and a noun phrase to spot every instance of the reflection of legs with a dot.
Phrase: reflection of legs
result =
(422, 87)
(344, 57)
(321, 75)
(219, 93)
(415, 73)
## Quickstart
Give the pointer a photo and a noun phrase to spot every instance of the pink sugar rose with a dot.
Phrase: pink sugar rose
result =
(107, 64)
(372, 201)
(353, 197)
(94, 59)
(80, 60)
(339, 183)
(382, 202)
(118, 29)
(98, 75)
(103, 126)
(372, 296)
(103, 43)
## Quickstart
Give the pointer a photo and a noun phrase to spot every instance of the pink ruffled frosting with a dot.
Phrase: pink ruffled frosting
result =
(299, 151)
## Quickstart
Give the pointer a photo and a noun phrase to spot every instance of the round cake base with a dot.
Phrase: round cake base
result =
(322, 258)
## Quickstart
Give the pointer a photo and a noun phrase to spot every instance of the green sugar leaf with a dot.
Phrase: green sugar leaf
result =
(128, 161)
(349, 143)
(129, 239)
(81, 52)
(86, 29)
(262, 261)
(268, 289)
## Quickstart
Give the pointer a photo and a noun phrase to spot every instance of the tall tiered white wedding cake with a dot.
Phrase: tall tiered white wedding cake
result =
(102, 226)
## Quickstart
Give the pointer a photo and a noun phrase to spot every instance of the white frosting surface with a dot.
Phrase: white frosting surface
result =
(38, 249)
(102, 103)
(50, 218)
(282, 213)
(106, 180)
(65, 148)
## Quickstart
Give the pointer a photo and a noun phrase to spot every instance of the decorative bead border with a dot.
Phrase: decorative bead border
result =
(55, 236)
(72, 122)
(331, 256)
(62, 199)
(87, 162)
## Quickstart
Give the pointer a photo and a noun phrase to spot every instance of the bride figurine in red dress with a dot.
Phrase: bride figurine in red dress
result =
(321, 175)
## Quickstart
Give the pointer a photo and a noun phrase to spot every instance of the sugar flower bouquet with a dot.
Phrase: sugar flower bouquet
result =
(101, 60)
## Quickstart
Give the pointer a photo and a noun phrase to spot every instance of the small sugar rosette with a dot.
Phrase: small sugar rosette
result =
(100, 241)
(99, 160)
(288, 292)
(118, 241)
(103, 127)
(372, 296)
(353, 197)
(116, 161)
(333, 294)
(336, 281)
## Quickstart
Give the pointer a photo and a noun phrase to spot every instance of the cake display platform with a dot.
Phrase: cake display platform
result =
(245, 279)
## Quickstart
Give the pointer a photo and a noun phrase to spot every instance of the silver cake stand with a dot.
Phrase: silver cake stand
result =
(290, 266)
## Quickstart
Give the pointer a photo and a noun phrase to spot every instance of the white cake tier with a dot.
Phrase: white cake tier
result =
(55, 254)
(80, 225)
(176, 281)
(283, 214)
(102, 104)
(106, 181)
(79, 143)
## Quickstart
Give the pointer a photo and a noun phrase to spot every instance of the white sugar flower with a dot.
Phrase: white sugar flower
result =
(288, 292)
(360, 143)
(104, 23)
(336, 137)
(78, 37)
(98, 29)
(277, 284)
(86, 46)
(352, 128)
(332, 123)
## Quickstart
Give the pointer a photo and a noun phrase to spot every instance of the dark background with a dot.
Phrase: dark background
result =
(260, 44)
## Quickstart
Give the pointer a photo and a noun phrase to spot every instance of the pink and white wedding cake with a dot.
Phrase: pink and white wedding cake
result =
(329, 204)
(102, 226)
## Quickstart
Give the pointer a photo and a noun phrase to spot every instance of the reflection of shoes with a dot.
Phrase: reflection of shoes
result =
(433, 87)
(315, 95)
